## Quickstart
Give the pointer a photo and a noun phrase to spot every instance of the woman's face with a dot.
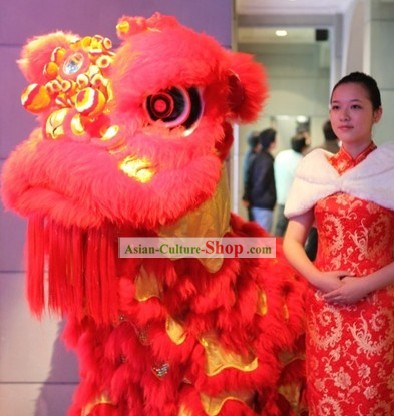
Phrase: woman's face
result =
(352, 115)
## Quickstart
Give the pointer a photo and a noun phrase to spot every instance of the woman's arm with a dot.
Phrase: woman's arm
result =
(293, 245)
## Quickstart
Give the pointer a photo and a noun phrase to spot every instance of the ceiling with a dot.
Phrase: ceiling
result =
(287, 7)
(259, 19)
(258, 35)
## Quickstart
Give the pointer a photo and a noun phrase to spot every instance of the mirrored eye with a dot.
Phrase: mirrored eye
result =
(175, 107)
(73, 63)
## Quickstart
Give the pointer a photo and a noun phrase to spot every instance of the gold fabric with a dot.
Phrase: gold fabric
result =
(218, 358)
(210, 219)
(139, 169)
(213, 405)
(183, 411)
(146, 286)
(54, 124)
(102, 399)
(175, 331)
(262, 304)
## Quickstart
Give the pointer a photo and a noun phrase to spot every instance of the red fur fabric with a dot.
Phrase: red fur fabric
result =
(133, 143)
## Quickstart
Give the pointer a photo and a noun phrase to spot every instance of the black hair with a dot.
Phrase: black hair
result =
(266, 137)
(299, 143)
(253, 139)
(328, 132)
(367, 82)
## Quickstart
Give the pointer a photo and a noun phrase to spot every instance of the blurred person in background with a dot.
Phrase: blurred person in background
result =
(331, 144)
(254, 148)
(286, 162)
(260, 189)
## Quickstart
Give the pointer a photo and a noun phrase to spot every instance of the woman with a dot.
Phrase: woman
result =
(350, 308)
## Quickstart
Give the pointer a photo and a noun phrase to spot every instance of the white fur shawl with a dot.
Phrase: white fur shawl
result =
(372, 179)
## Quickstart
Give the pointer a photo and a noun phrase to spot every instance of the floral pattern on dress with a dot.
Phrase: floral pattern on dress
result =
(350, 349)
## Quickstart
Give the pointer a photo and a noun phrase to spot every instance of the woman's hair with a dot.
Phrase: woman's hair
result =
(367, 82)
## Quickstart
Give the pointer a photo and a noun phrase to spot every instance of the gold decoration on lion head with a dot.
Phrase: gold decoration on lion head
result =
(77, 92)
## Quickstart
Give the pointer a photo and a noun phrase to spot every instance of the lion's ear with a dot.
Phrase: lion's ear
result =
(37, 52)
(248, 88)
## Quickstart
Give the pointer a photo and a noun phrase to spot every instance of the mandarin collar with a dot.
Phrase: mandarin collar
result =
(342, 161)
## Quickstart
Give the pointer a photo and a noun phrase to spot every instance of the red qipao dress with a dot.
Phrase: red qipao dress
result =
(350, 349)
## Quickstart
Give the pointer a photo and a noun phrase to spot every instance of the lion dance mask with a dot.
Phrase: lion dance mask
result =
(133, 143)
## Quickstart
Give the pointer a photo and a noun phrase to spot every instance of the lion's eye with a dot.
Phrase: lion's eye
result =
(175, 107)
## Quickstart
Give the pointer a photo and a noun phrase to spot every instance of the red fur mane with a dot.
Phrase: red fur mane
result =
(133, 143)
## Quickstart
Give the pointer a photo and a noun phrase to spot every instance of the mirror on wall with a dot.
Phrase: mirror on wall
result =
(287, 127)
(298, 67)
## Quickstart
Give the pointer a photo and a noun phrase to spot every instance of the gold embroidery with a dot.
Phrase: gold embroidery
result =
(326, 326)
(175, 331)
(139, 169)
(74, 80)
(350, 349)
(183, 411)
(103, 399)
(146, 286)
(362, 329)
(54, 125)
(262, 304)
(213, 405)
(218, 358)
(292, 392)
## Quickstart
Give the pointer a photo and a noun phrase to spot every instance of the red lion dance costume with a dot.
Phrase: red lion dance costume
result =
(133, 143)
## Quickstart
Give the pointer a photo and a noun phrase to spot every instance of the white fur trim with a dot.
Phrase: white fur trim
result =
(372, 179)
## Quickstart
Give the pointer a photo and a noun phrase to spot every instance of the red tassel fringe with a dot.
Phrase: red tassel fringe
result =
(81, 270)
(35, 264)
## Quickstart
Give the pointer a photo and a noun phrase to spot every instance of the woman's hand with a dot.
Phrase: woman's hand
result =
(351, 290)
(328, 282)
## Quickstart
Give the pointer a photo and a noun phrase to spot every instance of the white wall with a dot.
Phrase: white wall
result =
(381, 23)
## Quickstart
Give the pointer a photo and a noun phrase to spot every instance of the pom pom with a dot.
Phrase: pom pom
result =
(35, 98)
